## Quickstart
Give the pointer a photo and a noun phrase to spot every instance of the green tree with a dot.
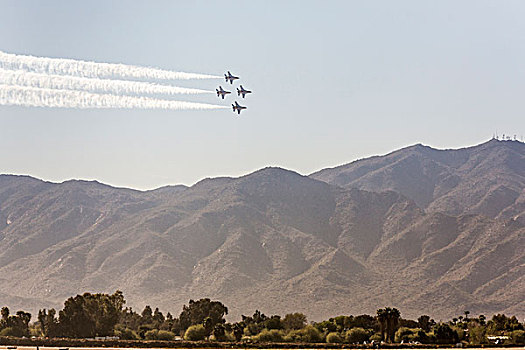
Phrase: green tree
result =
(388, 319)
(445, 335)
(424, 322)
(326, 326)
(5, 314)
(14, 325)
(74, 319)
(362, 321)
(158, 317)
(208, 326)
(219, 332)
(197, 311)
(294, 321)
(48, 322)
(89, 315)
(238, 330)
(273, 322)
(147, 315)
(482, 320)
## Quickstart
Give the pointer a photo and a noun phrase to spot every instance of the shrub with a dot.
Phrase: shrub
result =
(272, 335)
(358, 335)
(126, 334)
(403, 334)
(151, 335)
(196, 332)
(308, 334)
(518, 337)
(334, 337)
(420, 336)
(375, 337)
(7, 332)
(165, 335)
(477, 335)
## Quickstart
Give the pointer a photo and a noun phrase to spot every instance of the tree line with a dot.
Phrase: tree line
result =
(105, 315)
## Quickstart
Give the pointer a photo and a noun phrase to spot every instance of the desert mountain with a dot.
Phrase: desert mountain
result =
(487, 179)
(278, 241)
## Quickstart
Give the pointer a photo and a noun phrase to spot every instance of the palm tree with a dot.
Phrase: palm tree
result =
(388, 319)
(382, 319)
(466, 315)
(393, 322)
(482, 319)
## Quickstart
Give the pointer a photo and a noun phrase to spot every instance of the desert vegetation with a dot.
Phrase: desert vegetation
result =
(105, 315)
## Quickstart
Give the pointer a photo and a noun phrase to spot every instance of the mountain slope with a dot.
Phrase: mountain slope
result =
(487, 179)
(272, 240)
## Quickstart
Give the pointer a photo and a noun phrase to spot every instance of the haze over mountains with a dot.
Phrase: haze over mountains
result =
(425, 230)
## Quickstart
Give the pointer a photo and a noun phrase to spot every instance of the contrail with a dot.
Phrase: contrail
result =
(86, 69)
(37, 97)
(62, 82)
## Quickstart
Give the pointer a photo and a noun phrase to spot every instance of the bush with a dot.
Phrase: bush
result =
(518, 337)
(228, 336)
(165, 335)
(13, 332)
(403, 334)
(126, 334)
(357, 335)
(7, 332)
(196, 332)
(334, 337)
(477, 335)
(375, 337)
(308, 334)
(151, 335)
(272, 335)
(420, 336)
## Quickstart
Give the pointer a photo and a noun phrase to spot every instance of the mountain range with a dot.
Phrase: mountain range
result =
(427, 231)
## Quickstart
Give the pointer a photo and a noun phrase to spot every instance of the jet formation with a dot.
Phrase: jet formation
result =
(241, 91)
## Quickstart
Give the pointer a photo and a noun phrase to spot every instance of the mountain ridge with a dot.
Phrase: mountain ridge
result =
(273, 240)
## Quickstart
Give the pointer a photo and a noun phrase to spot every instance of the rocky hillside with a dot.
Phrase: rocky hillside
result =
(487, 179)
(278, 241)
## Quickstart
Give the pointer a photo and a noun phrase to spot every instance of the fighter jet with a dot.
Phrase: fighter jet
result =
(222, 92)
(230, 77)
(242, 92)
(238, 108)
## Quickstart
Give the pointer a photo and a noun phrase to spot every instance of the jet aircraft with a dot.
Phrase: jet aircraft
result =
(237, 107)
(242, 92)
(230, 77)
(222, 92)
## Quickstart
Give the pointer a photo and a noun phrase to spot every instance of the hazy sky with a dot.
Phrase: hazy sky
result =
(333, 81)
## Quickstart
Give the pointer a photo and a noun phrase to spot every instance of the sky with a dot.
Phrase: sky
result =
(332, 81)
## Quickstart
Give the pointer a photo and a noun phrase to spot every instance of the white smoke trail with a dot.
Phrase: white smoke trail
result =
(86, 69)
(37, 97)
(118, 87)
